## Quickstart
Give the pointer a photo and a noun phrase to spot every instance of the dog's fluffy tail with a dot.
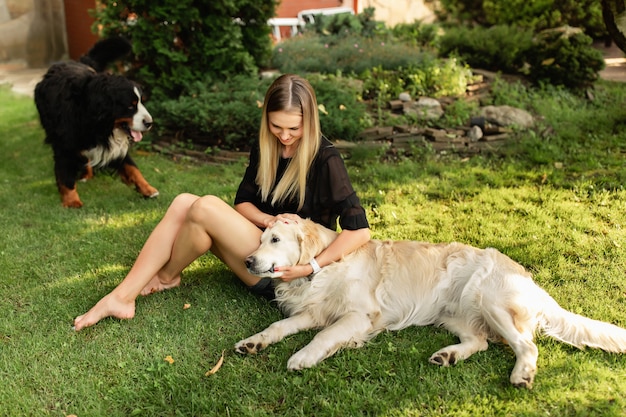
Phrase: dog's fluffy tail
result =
(581, 331)
(105, 52)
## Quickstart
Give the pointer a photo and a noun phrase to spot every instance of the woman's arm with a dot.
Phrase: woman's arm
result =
(256, 216)
(345, 243)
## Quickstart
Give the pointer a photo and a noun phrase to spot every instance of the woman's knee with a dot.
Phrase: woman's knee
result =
(206, 207)
(181, 204)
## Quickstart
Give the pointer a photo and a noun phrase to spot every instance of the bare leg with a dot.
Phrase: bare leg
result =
(156, 251)
(214, 225)
(190, 227)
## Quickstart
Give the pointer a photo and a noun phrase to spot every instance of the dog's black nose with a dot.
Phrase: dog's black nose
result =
(249, 261)
(147, 124)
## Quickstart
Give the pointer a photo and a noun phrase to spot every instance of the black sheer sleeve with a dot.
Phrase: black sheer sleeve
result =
(333, 196)
(248, 191)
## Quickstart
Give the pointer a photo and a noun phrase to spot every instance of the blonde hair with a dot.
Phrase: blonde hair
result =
(292, 94)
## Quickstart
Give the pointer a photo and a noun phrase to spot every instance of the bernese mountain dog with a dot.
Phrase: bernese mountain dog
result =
(91, 117)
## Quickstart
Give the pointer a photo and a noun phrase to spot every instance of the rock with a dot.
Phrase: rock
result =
(475, 133)
(425, 108)
(404, 97)
(507, 116)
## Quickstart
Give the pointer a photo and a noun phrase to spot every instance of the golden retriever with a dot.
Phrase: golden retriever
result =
(480, 295)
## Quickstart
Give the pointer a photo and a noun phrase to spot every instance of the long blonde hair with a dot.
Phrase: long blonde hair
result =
(292, 94)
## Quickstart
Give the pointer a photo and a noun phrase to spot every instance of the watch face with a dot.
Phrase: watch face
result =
(614, 14)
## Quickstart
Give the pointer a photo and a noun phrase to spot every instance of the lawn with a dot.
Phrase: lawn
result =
(553, 200)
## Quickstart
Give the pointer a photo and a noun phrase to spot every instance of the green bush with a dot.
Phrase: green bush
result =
(559, 57)
(536, 15)
(349, 54)
(178, 42)
(343, 115)
(566, 59)
(498, 48)
(227, 114)
(435, 77)
(417, 34)
(346, 24)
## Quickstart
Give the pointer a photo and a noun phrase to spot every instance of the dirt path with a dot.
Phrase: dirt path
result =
(615, 63)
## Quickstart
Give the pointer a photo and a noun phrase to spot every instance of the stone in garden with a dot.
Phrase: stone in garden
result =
(404, 97)
(507, 116)
(475, 134)
(425, 108)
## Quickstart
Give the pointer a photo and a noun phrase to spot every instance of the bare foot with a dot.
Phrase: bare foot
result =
(156, 285)
(108, 306)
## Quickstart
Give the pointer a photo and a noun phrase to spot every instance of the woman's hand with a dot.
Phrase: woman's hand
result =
(293, 272)
(288, 217)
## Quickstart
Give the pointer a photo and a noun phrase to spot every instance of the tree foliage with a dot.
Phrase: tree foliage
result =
(532, 14)
(177, 42)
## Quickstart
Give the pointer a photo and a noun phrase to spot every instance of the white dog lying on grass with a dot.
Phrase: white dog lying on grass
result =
(478, 294)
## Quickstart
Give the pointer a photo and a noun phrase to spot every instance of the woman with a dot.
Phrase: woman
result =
(293, 172)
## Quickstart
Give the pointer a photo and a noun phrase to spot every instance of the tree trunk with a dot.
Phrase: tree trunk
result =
(614, 14)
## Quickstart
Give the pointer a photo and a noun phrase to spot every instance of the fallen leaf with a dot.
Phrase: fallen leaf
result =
(548, 61)
(259, 104)
(217, 366)
(342, 107)
(322, 108)
(169, 359)
(186, 306)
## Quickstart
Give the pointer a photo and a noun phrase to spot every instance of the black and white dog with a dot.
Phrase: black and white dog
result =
(90, 118)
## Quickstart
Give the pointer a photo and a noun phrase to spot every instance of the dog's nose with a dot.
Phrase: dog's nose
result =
(249, 261)
(147, 124)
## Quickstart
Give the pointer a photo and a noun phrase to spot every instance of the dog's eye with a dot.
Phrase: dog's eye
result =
(275, 239)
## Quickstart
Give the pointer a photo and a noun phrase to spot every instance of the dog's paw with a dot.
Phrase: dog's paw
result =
(443, 358)
(523, 375)
(249, 346)
(523, 383)
(301, 360)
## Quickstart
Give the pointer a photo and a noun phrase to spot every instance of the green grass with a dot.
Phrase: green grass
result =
(566, 222)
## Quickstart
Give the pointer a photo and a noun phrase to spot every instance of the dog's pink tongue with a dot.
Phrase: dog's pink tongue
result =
(136, 135)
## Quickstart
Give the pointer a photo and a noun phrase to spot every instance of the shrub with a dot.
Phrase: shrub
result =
(349, 54)
(435, 77)
(343, 115)
(536, 15)
(498, 48)
(566, 59)
(346, 24)
(227, 114)
(417, 34)
(177, 42)
(559, 57)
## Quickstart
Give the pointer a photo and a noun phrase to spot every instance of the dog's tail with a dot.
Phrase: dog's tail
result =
(105, 52)
(581, 331)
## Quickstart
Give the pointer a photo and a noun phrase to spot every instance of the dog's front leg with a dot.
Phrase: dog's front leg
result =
(130, 175)
(351, 330)
(275, 333)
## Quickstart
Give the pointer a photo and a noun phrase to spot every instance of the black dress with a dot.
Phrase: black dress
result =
(329, 193)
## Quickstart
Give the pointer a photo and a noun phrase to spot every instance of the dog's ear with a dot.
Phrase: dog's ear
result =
(311, 242)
